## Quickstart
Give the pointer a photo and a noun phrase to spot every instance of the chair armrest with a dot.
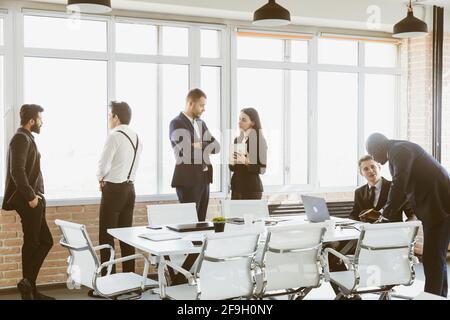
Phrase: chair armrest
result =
(325, 254)
(338, 255)
(63, 243)
(103, 246)
(110, 263)
(119, 260)
(184, 272)
(111, 255)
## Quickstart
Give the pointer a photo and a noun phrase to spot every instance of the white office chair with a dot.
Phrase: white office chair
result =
(237, 208)
(384, 258)
(174, 213)
(291, 262)
(225, 269)
(85, 268)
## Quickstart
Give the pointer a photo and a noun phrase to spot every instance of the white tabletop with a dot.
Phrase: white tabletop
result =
(185, 246)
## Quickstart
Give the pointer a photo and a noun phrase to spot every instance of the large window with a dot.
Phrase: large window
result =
(74, 122)
(319, 99)
(263, 90)
(268, 79)
(2, 127)
(158, 87)
(64, 34)
(136, 83)
(175, 83)
(211, 82)
(152, 66)
(2, 109)
(338, 128)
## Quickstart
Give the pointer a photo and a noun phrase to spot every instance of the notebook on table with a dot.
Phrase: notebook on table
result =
(160, 236)
(190, 227)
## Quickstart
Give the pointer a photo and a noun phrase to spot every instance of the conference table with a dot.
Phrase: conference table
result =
(158, 250)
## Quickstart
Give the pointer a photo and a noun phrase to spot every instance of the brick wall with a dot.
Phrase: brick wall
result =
(417, 57)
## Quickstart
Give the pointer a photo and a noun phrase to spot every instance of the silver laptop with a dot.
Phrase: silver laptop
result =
(317, 211)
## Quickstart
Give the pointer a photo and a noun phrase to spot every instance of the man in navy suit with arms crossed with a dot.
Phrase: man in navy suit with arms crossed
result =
(192, 144)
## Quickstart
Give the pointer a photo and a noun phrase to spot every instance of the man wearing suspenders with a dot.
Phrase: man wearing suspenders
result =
(116, 175)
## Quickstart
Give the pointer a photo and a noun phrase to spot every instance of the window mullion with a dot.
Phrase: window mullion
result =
(361, 107)
(313, 111)
(287, 117)
(194, 55)
(111, 76)
(159, 129)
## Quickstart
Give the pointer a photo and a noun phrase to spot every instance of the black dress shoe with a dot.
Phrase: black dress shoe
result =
(40, 296)
(25, 289)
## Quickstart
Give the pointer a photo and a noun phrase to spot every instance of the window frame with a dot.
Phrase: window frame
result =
(8, 86)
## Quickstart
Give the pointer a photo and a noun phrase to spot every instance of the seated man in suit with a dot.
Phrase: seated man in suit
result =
(374, 194)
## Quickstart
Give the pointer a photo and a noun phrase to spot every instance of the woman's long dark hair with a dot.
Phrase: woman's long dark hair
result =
(254, 117)
(261, 144)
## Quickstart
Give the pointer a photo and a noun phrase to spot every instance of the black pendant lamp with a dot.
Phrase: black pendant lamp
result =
(410, 27)
(271, 14)
(89, 6)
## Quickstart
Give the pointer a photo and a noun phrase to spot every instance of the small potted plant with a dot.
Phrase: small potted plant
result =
(219, 224)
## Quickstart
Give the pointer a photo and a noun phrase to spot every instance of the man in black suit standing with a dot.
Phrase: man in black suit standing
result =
(418, 178)
(192, 144)
(24, 192)
(374, 194)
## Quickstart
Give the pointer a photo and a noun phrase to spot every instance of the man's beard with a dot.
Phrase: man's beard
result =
(36, 128)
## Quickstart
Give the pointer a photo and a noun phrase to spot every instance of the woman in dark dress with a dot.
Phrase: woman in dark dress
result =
(249, 157)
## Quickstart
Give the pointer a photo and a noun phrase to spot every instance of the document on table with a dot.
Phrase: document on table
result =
(160, 236)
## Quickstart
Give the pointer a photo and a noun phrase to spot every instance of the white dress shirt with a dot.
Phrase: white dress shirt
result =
(197, 132)
(377, 191)
(117, 156)
(245, 138)
(196, 127)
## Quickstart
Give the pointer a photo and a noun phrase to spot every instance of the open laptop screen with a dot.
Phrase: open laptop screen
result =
(316, 209)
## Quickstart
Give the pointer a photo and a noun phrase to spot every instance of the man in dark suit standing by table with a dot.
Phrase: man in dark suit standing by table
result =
(418, 178)
(24, 192)
(192, 144)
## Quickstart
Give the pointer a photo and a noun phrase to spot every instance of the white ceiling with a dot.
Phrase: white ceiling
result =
(353, 14)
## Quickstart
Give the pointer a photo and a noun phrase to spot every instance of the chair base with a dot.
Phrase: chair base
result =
(293, 294)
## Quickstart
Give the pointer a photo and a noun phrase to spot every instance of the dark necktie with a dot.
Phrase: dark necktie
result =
(372, 196)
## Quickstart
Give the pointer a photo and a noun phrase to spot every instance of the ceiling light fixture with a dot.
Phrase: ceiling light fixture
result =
(271, 14)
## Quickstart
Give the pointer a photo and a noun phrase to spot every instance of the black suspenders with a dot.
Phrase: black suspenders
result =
(135, 148)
